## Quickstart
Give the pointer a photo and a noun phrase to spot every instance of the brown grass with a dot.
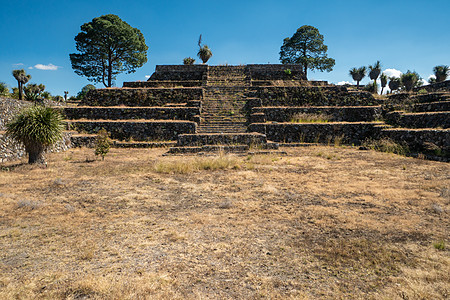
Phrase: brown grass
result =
(321, 222)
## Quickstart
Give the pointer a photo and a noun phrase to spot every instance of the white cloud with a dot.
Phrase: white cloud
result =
(147, 76)
(392, 73)
(30, 68)
(19, 64)
(49, 67)
(343, 82)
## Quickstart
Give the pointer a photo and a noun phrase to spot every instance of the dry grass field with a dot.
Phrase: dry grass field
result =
(319, 222)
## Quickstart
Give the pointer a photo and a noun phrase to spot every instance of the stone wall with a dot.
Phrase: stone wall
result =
(11, 150)
(141, 97)
(314, 96)
(137, 130)
(162, 84)
(130, 113)
(349, 133)
(434, 106)
(419, 120)
(179, 72)
(9, 108)
(420, 139)
(435, 87)
(337, 114)
(275, 72)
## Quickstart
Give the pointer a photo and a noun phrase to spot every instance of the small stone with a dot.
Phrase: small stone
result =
(437, 208)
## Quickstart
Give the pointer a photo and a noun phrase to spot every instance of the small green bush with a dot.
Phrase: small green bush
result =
(439, 245)
(188, 61)
(386, 145)
(102, 143)
(288, 72)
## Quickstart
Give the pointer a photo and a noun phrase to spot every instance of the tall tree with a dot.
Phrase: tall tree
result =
(375, 71)
(358, 74)
(383, 79)
(306, 48)
(37, 127)
(108, 46)
(441, 73)
(22, 78)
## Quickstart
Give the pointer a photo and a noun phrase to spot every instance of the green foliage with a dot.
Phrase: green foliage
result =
(439, 245)
(422, 91)
(33, 91)
(4, 89)
(204, 53)
(358, 74)
(306, 48)
(102, 143)
(394, 83)
(288, 72)
(81, 94)
(310, 118)
(108, 46)
(375, 70)
(37, 127)
(441, 73)
(371, 87)
(22, 78)
(188, 61)
(410, 80)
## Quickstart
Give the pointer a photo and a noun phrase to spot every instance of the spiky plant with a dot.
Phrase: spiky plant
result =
(383, 79)
(204, 53)
(22, 78)
(32, 91)
(375, 71)
(4, 89)
(394, 83)
(188, 61)
(37, 128)
(410, 80)
(441, 73)
(358, 74)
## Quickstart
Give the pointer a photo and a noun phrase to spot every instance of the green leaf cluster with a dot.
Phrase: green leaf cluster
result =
(306, 48)
(108, 46)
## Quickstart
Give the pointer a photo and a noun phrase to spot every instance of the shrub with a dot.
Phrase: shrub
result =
(288, 72)
(188, 61)
(102, 143)
(386, 145)
(310, 118)
(439, 245)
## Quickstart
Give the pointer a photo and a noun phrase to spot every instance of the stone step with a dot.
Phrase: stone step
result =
(209, 148)
(419, 119)
(420, 139)
(432, 106)
(221, 139)
(121, 144)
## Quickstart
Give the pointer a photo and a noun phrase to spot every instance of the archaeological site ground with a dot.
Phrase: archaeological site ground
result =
(232, 182)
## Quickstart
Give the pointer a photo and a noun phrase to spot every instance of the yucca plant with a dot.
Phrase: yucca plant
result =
(375, 71)
(37, 128)
(410, 80)
(394, 83)
(383, 79)
(358, 74)
(441, 73)
(4, 89)
(22, 78)
(204, 53)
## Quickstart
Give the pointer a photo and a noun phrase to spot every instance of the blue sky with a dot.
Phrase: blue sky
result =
(403, 34)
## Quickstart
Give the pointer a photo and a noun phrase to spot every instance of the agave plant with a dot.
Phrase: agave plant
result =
(37, 128)
(22, 78)
(441, 73)
(394, 83)
(410, 80)
(204, 53)
(358, 74)
(383, 79)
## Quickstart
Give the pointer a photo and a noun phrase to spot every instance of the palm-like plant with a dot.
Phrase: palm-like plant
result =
(4, 89)
(375, 71)
(22, 78)
(37, 128)
(358, 74)
(383, 79)
(394, 83)
(410, 80)
(441, 73)
(204, 53)
(188, 61)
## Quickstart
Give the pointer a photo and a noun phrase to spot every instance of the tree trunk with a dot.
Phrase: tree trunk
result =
(382, 88)
(20, 90)
(36, 154)
(109, 70)
(305, 70)
(357, 84)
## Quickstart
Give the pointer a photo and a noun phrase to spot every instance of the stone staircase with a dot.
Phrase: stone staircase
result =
(224, 100)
